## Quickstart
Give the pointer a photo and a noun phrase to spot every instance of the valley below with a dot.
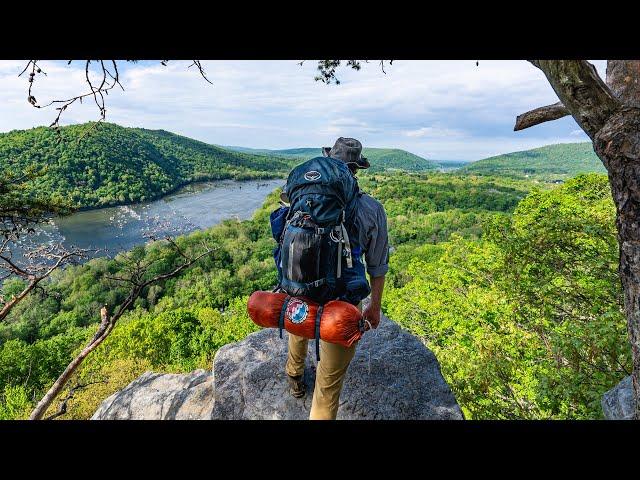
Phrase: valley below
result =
(197, 206)
(506, 268)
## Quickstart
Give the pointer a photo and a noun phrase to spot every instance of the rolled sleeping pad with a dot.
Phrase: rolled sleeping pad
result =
(340, 322)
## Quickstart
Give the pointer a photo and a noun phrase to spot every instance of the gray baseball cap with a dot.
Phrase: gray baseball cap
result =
(349, 150)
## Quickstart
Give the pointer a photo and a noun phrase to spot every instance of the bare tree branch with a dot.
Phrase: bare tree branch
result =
(582, 91)
(34, 273)
(200, 69)
(62, 409)
(108, 77)
(541, 115)
(108, 322)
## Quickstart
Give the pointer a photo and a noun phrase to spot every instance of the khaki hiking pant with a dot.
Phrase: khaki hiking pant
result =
(332, 367)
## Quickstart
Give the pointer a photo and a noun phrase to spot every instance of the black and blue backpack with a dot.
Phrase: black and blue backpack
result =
(318, 255)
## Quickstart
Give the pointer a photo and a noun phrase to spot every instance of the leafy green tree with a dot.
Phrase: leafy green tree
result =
(528, 322)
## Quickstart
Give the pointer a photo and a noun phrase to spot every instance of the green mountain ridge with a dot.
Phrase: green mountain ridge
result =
(114, 165)
(551, 162)
(381, 159)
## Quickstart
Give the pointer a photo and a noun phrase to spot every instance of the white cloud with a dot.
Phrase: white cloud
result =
(445, 109)
(433, 132)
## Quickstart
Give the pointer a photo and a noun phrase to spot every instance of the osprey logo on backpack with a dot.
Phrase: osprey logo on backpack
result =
(312, 175)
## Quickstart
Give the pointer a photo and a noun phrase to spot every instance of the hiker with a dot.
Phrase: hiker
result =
(363, 232)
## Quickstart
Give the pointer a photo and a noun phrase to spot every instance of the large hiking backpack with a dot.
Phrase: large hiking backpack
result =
(318, 255)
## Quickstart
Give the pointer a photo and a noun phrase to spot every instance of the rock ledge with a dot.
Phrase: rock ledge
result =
(393, 376)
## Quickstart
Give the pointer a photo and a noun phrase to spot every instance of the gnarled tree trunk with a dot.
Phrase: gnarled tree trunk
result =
(618, 146)
(610, 114)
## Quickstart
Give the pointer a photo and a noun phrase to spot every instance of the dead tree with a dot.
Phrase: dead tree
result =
(20, 212)
(136, 275)
(37, 264)
(609, 113)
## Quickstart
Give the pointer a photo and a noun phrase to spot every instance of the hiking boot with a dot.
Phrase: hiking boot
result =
(296, 386)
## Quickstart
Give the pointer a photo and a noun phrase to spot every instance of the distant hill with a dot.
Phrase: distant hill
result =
(381, 159)
(114, 165)
(551, 162)
(117, 165)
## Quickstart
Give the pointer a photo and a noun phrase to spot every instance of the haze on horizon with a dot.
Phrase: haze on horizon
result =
(441, 110)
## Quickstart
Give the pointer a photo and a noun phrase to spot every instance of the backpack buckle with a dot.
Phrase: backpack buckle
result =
(317, 283)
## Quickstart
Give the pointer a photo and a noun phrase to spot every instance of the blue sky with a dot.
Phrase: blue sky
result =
(441, 109)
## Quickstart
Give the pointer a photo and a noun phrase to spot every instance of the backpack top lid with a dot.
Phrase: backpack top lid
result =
(323, 187)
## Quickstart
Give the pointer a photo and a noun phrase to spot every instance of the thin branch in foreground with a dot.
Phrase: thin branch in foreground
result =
(62, 409)
(327, 69)
(107, 324)
(540, 115)
(39, 269)
(108, 78)
(201, 70)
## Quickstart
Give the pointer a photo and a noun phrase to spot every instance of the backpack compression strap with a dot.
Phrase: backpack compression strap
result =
(317, 331)
(347, 245)
(284, 309)
(343, 244)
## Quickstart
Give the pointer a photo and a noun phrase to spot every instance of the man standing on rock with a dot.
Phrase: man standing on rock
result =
(371, 225)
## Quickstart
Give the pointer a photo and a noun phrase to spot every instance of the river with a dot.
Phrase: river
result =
(195, 206)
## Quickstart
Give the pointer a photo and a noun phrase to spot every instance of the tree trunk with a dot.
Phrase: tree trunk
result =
(618, 146)
(610, 114)
(103, 332)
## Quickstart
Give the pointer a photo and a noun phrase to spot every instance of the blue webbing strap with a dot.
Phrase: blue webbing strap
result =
(317, 329)
(284, 308)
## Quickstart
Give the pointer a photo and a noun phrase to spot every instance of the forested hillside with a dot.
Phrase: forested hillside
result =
(117, 165)
(551, 162)
(514, 288)
(526, 320)
(381, 159)
(114, 165)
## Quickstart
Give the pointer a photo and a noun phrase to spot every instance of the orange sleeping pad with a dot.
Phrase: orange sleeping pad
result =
(340, 322)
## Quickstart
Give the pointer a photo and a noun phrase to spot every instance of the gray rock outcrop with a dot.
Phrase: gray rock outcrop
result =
(392, 376)
(157, 396)
(617, 403)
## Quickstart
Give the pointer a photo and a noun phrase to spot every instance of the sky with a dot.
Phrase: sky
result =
(438, 109)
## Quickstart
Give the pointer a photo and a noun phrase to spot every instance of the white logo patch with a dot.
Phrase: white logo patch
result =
(312, 175)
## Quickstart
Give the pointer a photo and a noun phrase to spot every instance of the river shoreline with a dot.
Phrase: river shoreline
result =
(196, 206)
(173, 191)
